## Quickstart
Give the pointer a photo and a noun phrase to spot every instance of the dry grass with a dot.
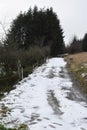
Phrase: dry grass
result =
(78, 66)
(79, 58)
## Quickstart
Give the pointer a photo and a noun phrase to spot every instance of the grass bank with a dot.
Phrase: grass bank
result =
(77, 64)
(7, 82)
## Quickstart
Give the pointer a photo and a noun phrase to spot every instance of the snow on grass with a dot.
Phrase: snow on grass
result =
(40, 101)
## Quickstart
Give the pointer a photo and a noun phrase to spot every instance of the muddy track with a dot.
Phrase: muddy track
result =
(54, 103)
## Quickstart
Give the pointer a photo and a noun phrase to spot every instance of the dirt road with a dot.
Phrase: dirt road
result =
(45, 100)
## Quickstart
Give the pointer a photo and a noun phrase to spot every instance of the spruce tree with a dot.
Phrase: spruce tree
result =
(37, 27)
(84, 45)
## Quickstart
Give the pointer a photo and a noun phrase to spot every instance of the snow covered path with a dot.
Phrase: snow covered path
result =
(45, 100)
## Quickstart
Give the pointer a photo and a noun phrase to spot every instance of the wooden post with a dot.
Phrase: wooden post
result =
(22, 73)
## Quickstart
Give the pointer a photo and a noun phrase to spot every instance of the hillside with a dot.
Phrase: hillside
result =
(78, 66)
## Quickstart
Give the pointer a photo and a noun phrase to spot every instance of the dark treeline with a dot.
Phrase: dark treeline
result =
(37, 27)
(77, 45)
(33, 36)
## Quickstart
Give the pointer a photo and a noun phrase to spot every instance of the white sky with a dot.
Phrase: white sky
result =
(72, 13)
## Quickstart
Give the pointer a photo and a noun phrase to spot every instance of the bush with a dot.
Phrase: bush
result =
(7, 82)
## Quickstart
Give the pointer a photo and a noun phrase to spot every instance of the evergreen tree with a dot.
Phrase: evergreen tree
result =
(75, 46)
(37, 27)
(84, 45)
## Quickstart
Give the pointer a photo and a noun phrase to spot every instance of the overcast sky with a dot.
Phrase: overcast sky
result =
(72, 13)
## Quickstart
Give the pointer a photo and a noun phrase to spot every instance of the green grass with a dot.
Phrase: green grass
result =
(4, 128)
(4, 110)
(21, 127)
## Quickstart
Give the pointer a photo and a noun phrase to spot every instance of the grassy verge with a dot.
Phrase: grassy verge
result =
(77, 64)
